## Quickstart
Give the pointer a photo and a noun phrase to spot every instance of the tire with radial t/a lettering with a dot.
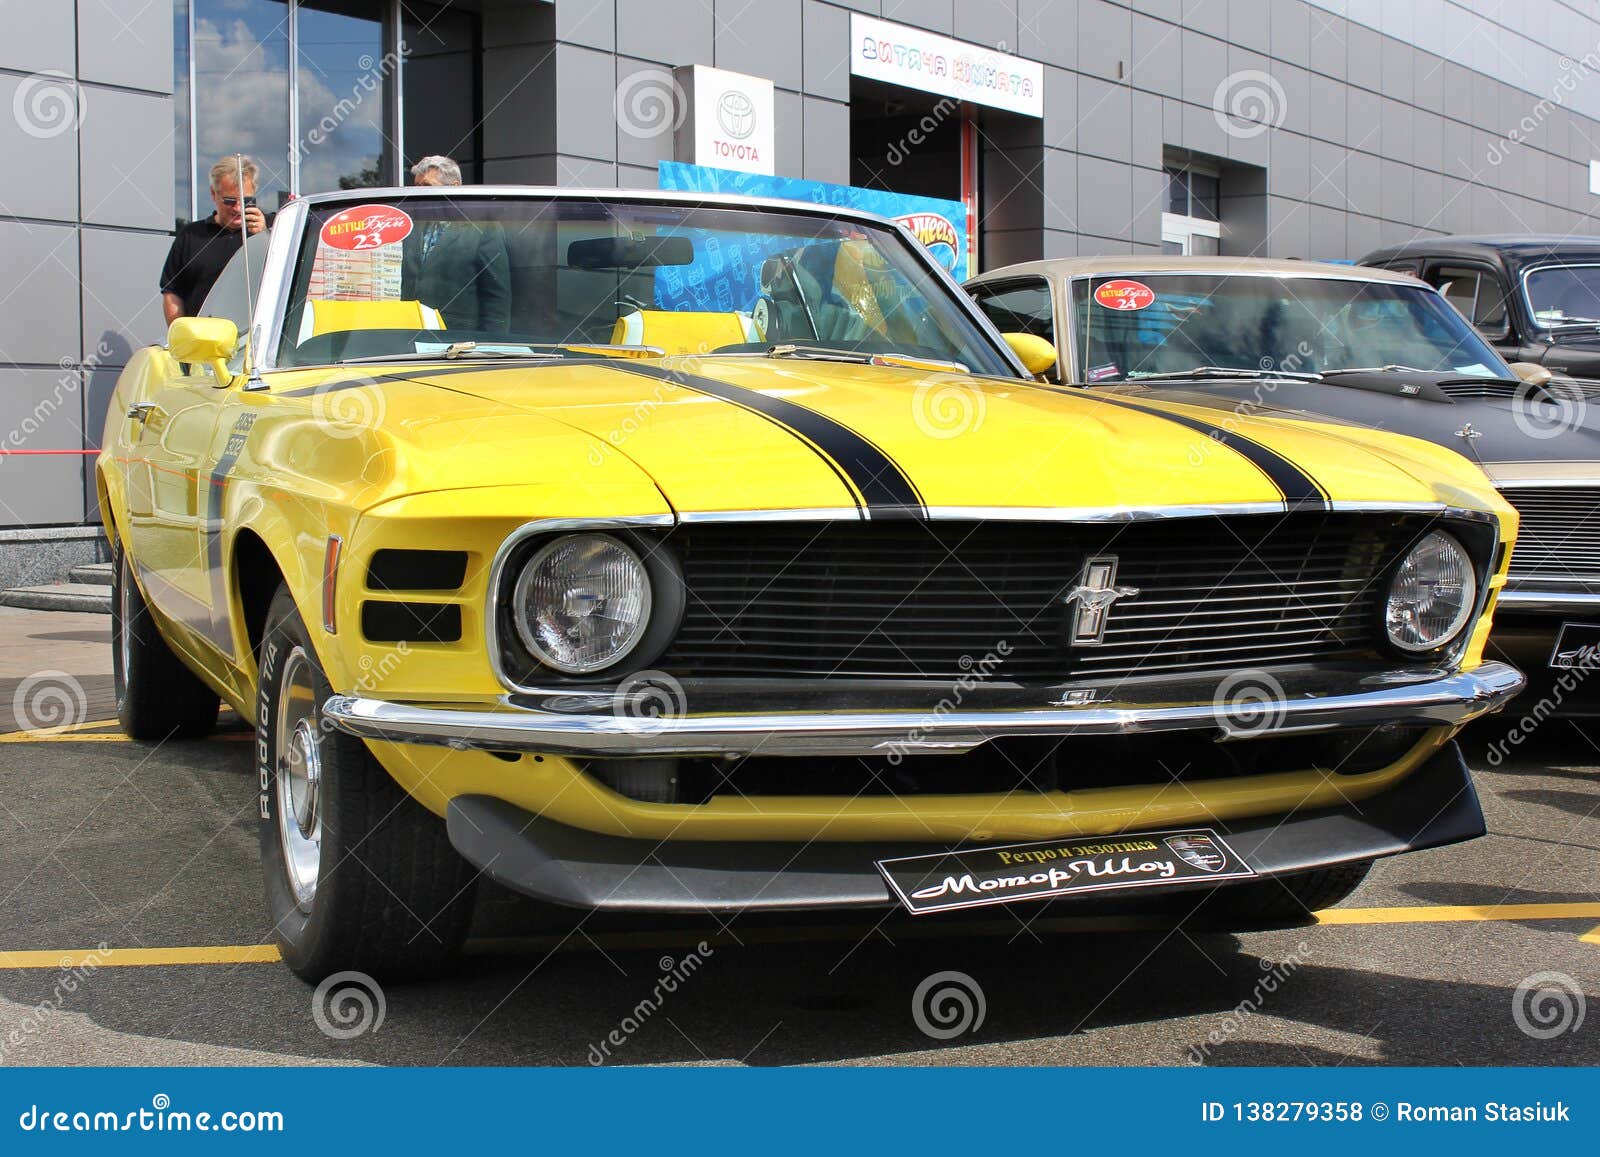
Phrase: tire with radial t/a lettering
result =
(359, 876)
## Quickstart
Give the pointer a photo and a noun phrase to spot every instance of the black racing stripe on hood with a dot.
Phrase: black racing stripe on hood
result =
(420, 376)
(1299, 489)
(886, 488)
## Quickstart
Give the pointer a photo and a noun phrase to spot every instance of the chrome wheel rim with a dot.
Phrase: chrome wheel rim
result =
(124, 636)
(297, 747)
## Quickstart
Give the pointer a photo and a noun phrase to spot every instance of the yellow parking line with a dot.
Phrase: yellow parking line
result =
(67, 735)
(268, 953)
(137, 957)
(1446, 914)
(59, 737)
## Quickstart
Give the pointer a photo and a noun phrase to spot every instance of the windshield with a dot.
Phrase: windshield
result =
(1564, 295)
(418, 275)
(1125, 328)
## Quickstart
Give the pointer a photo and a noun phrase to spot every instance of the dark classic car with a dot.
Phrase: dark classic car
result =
(1535, 299)
(1379, 348)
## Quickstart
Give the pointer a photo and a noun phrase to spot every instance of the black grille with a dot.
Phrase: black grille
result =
(931, 600)
(1560, 533)
(1482, 388)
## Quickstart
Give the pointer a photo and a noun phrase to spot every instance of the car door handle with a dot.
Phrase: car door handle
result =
(139, 411)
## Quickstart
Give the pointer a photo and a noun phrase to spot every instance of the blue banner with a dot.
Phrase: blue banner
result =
(939, 224)
(741, 1110)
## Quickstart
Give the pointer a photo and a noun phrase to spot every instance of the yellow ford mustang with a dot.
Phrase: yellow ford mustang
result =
(651, 552)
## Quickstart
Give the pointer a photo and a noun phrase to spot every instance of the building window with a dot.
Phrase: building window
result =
(1189, 223)
(312, 90)
(238, 62)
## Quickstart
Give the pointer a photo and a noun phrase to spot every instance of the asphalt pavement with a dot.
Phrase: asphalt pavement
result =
(1483, 953)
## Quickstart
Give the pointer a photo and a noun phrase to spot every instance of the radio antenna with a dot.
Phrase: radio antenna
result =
(249, 291)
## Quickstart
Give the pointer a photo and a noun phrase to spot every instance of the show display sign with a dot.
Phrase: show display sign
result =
(928, 62)
(729, 121)
(941, 225)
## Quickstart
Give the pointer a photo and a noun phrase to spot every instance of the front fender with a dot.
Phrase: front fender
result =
(148, 371)
(294, 530)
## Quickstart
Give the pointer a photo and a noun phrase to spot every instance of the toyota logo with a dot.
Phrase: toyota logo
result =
(736, 113)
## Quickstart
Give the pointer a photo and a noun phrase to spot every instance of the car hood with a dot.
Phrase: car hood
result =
(758, 434)
(1488, 420)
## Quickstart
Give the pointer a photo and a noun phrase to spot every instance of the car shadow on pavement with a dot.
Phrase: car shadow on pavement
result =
(1177, 997)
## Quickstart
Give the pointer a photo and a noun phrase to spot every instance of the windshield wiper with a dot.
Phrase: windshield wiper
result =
(1221, 372)
(1394, 369)
(860, 357)
(511, 350)
(1388, 369)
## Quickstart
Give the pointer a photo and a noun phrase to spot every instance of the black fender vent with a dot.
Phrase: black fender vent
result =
(417, 570)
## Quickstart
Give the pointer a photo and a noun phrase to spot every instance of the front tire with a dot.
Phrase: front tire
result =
(359, 876)
(157, 696)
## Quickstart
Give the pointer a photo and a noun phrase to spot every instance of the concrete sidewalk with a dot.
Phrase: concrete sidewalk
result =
(55, 669)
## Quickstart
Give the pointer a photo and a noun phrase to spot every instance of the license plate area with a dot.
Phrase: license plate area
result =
(1577, 647)
(974, 877)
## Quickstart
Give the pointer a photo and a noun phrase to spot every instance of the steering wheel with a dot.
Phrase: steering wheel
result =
(761, 315)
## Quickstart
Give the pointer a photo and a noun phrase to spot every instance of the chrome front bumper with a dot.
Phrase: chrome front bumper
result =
(723, 719)
(1540, 596)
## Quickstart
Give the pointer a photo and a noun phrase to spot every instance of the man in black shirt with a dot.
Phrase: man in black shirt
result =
(203, 248)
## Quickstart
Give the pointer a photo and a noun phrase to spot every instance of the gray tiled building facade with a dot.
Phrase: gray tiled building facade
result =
(1358, 124)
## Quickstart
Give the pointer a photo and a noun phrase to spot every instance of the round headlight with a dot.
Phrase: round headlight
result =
(1432, 594)
(582, 603)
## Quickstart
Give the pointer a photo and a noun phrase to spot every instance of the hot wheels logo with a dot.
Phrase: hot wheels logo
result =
(936, 233)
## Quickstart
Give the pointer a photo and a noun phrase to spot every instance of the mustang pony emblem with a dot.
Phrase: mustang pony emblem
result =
(1094, 595)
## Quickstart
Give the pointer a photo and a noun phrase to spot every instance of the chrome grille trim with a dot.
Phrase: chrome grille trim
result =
(1559, 537)
(916, 600)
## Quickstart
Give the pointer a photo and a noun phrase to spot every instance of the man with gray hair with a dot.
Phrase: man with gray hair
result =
(436, 170)
(203, 248)
(457, 265)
